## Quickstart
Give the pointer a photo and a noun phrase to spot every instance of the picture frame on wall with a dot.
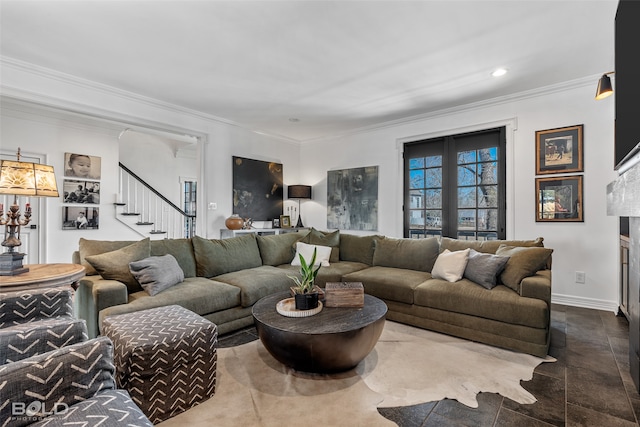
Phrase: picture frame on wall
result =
(82, 192)
(285, 221)
(83, 166)
(559, 150)
(559, 199)
(80, 218)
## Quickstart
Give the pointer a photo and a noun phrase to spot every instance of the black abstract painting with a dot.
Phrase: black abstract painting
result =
(257, 189)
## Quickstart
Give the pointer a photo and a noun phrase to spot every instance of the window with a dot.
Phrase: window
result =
(455, 186)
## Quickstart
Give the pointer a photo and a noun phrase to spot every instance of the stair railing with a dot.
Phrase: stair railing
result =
(152, 209)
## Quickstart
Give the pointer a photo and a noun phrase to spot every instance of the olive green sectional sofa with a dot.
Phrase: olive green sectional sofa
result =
(224, 278)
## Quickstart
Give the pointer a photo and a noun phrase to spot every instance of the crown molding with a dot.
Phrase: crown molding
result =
(72, 80)
(533, 93)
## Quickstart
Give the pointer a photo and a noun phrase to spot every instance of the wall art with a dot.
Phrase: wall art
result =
(85, 192)
(559, 199)
(82, 166)
(352, 199)
(257, 189)
(80, 218)
(559, 150)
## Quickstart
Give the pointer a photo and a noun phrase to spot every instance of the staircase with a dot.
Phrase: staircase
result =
(147, 212)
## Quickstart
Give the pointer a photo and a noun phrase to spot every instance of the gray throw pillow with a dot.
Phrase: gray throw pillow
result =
(483, 269)
(157, 273)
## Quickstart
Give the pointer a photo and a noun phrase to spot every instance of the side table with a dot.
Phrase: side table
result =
(43, 276)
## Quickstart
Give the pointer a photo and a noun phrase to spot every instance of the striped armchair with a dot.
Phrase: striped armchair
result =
(37, 321)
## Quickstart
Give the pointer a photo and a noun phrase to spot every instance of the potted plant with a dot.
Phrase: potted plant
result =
(306, 297)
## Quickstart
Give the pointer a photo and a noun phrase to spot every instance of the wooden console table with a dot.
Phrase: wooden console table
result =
(43, 276)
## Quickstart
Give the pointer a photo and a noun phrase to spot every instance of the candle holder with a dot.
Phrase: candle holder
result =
(11, 261)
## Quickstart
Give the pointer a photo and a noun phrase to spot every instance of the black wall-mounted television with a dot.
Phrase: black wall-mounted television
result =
(627, 82)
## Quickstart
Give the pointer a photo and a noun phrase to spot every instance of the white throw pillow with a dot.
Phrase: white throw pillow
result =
(450, 266)
(322, 255)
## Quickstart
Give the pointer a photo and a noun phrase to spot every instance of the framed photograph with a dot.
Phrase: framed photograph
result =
(82, 166)
(85, 192)
(559, 199)
(275, 223)
(559, 150)
(285, 221)
(80, 218)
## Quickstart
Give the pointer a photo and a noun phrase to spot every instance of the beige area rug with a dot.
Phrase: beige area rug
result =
(408, 366)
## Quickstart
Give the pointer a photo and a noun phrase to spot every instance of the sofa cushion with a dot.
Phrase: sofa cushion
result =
(258, 282)
(182, 251)
(88, 247)
(413, 254)
(114, 265)
(523, 262)
(450, 265)
(388, 283)
(500, 303)
(157, 273)
(483, 269)
(323, 253)
(325, 238)
(198, 294)
(357, 248)
(215, 257)
(278, 248)
(486, 246)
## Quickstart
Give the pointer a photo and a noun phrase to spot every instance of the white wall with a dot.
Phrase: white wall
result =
(590, 246)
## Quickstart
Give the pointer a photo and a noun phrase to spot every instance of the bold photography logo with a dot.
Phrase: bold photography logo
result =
(37, 409)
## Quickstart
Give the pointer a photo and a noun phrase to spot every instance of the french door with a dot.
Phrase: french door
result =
(454, 186)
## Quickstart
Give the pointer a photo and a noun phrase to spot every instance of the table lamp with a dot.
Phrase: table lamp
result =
(299, 192)
(21, 179)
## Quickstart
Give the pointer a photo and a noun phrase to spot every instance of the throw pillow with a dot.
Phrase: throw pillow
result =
(88, 247)
(483, 269)
(523, 262)
(215, 257)
(332, 239)
(157, 273)
(450, 266)
(277, 249)
(413, 254)
(114, 265)
(323, 254)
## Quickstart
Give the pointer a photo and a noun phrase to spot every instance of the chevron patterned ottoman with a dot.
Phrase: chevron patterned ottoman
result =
(165, 357)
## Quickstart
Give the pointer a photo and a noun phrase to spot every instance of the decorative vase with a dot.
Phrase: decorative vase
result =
(306, 301)
(234, 222)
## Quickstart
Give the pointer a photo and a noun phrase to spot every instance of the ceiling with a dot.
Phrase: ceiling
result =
(304, 70)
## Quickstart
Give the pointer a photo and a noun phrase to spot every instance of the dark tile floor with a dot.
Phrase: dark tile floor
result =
(589, 385)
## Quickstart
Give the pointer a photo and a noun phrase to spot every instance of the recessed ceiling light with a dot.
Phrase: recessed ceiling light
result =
(499, 72)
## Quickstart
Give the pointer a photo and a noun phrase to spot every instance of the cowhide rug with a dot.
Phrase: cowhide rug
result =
(408, 366)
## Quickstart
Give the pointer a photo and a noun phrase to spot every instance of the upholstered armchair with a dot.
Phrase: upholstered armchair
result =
(37, 321)
(73, 385)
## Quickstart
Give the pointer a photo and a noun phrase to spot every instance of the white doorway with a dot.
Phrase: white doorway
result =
(30, 234)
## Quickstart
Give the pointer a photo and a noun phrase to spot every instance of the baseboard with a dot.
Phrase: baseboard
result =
(595, 304)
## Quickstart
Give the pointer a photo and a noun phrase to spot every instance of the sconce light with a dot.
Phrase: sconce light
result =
(299, 192)
(21, 179)
(604, 86)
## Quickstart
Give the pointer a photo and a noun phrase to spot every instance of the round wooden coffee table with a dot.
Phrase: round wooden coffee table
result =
(334, 340)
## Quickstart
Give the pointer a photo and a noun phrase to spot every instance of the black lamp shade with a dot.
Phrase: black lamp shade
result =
(299, 192)
(604, 87)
